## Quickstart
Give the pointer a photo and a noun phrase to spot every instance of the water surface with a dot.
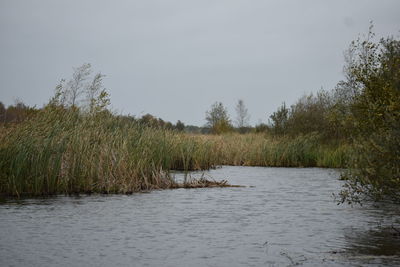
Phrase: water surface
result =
(283, 217)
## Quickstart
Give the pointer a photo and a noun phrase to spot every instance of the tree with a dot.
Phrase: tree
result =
(180, 126)
(92, 96)
(279, 120)
(218, 119)
(16, 113)
(2, 112)
(309, 114)
(97, 96)
(374, 169)
(261, 128)
(75, 85)
(149, 120)
(242, 116)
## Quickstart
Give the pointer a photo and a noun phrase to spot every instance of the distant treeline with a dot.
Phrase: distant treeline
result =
(310, 114)
(20, 112)
(15, 113)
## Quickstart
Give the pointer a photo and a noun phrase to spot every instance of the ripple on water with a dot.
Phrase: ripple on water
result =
(286, 217)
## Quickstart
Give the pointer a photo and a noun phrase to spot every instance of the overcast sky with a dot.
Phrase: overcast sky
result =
(173, 59)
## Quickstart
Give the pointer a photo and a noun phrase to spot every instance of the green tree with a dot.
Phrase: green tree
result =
(97, 97)
(2, 112)
(180, 126)
(261, 128)
(16, 113)
(218, 119)
(375, 118)
(279, 120)
(149, 120)
(309, 114)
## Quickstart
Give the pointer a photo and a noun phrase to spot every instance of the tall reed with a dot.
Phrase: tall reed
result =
(266, 150)
(67, 151)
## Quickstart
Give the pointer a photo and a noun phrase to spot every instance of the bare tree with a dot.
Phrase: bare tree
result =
(92, 96)
(75, 86)
(242, 115)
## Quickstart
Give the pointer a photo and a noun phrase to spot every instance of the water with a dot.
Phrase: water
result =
(283, 217)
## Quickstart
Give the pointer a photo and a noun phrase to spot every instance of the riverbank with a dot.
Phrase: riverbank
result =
(66, 151)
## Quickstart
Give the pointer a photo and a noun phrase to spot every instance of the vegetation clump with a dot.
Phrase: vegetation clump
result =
(374, 116)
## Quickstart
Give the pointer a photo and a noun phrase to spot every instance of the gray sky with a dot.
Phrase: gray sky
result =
(173, 59)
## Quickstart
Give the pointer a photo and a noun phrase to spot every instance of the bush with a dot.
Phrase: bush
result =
(375, 117)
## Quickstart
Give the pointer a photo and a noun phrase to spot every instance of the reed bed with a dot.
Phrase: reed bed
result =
(67, 151)
(266, 150)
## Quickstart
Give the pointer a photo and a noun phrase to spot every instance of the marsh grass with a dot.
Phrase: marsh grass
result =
(265, 150)
(67, 151)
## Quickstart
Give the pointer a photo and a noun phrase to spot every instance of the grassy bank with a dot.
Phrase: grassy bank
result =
(66, 151)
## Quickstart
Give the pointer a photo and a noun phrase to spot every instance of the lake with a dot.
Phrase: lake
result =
(281, 217)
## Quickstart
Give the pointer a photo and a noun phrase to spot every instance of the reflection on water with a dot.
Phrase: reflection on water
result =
(380, 242)
(283, 217)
